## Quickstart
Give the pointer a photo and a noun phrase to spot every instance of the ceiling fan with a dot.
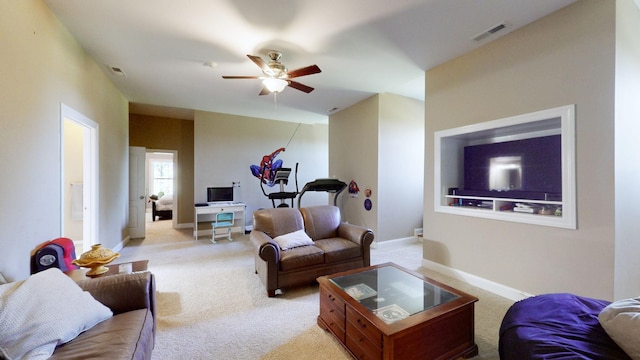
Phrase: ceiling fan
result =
(276, 76)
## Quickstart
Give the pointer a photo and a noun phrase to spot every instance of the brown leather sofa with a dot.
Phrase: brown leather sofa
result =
(337, 246)
(130, 333)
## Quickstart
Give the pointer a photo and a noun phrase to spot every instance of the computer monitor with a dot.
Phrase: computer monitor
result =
(215, 194)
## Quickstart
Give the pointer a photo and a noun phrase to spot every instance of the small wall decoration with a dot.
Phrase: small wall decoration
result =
(368, 204)
(367, 192)
(353, 189)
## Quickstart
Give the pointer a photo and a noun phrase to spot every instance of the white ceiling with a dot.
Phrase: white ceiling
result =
(363, 47)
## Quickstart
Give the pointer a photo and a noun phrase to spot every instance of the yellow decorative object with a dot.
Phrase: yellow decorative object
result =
(96, 259)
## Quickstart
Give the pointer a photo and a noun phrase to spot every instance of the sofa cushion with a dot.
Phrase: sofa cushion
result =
(293, 239)
(277, 221)
(338, 249)
(301, 257)
(321, 222)
(621, 321)
(43, 311)
(126, 336)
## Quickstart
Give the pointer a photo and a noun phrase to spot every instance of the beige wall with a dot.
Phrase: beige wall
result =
(226, 145)
(564, 58)
(42, 67)
(400, 166)
(169, 134)
(353, 155)
(627, 148)
(379, 143)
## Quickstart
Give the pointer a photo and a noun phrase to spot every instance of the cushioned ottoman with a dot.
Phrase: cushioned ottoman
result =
(556, 326)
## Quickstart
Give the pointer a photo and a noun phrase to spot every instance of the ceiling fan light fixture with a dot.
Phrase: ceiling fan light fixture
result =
(275, 85)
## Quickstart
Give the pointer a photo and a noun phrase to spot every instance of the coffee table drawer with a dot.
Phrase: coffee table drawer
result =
(359, 327)
(332, 312)
(361, 346)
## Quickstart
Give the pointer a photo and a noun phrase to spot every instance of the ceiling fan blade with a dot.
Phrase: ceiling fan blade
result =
(313, 69)
(261, 64)
(264, 91)
(302, 87)
(240, 77)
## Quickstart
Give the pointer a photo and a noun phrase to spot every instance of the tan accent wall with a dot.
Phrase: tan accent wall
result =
(565, 58)
(169, 134)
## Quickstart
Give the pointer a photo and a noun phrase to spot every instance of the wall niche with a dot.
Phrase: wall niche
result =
(519, 169)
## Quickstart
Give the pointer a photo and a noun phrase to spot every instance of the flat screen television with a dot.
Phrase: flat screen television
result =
(519, 169)
(215, 194)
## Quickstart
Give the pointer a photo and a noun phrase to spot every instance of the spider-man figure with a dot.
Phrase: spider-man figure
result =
(267, 169)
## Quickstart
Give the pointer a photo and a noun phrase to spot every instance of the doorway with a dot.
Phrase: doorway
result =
(79, 164)
(161, 180)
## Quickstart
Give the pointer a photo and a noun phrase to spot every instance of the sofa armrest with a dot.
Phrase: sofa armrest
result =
(356, 233)
(268, 250)
(123, 292)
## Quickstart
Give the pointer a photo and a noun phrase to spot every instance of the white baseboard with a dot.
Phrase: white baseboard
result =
(394, 242)
(485, 284)
(184, 226)
(121, 245)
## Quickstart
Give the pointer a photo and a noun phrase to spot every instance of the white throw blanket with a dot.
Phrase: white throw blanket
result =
(46, 310)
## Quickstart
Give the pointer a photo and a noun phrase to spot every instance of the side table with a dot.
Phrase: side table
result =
(114, 269)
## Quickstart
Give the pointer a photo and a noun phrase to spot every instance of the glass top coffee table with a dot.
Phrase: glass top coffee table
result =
(388, 312)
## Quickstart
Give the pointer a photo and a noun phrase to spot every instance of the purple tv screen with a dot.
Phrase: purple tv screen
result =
(520, 169)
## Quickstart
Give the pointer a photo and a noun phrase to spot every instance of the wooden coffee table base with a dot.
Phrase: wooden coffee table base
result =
(443, 332)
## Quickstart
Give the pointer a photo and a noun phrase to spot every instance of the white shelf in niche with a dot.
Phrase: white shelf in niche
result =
(449, 166)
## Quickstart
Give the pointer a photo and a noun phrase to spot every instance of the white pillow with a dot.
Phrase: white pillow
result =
(43, 311)
(621, 320)
(293, 239)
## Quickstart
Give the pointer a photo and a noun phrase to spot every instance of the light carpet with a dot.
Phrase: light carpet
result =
(211, 304)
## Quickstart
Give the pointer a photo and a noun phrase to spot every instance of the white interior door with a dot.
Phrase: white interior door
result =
(137, 196)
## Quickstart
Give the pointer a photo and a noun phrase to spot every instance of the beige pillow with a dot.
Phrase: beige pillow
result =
(293, 239)
(43, 311)
(621, 320)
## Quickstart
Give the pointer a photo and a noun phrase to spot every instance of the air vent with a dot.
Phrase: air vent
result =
(115, 70)
(491, 31)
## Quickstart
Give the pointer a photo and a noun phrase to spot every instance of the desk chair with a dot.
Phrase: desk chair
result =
(224, 220)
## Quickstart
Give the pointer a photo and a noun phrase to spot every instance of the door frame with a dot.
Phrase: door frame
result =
(90, 199)
(174, 215)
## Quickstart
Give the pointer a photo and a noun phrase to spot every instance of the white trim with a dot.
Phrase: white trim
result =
(394, 242)
(450, 143)
(121, 245)
(90, 171)
(494, 287)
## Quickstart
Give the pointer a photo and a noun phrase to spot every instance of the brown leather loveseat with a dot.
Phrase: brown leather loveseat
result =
(130, 333)
(336, 246)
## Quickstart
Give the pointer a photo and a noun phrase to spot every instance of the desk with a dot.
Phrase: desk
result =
(206, 212)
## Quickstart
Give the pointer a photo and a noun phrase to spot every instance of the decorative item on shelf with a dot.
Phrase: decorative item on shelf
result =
(368, 204)
(353, 189)
(96, 259)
